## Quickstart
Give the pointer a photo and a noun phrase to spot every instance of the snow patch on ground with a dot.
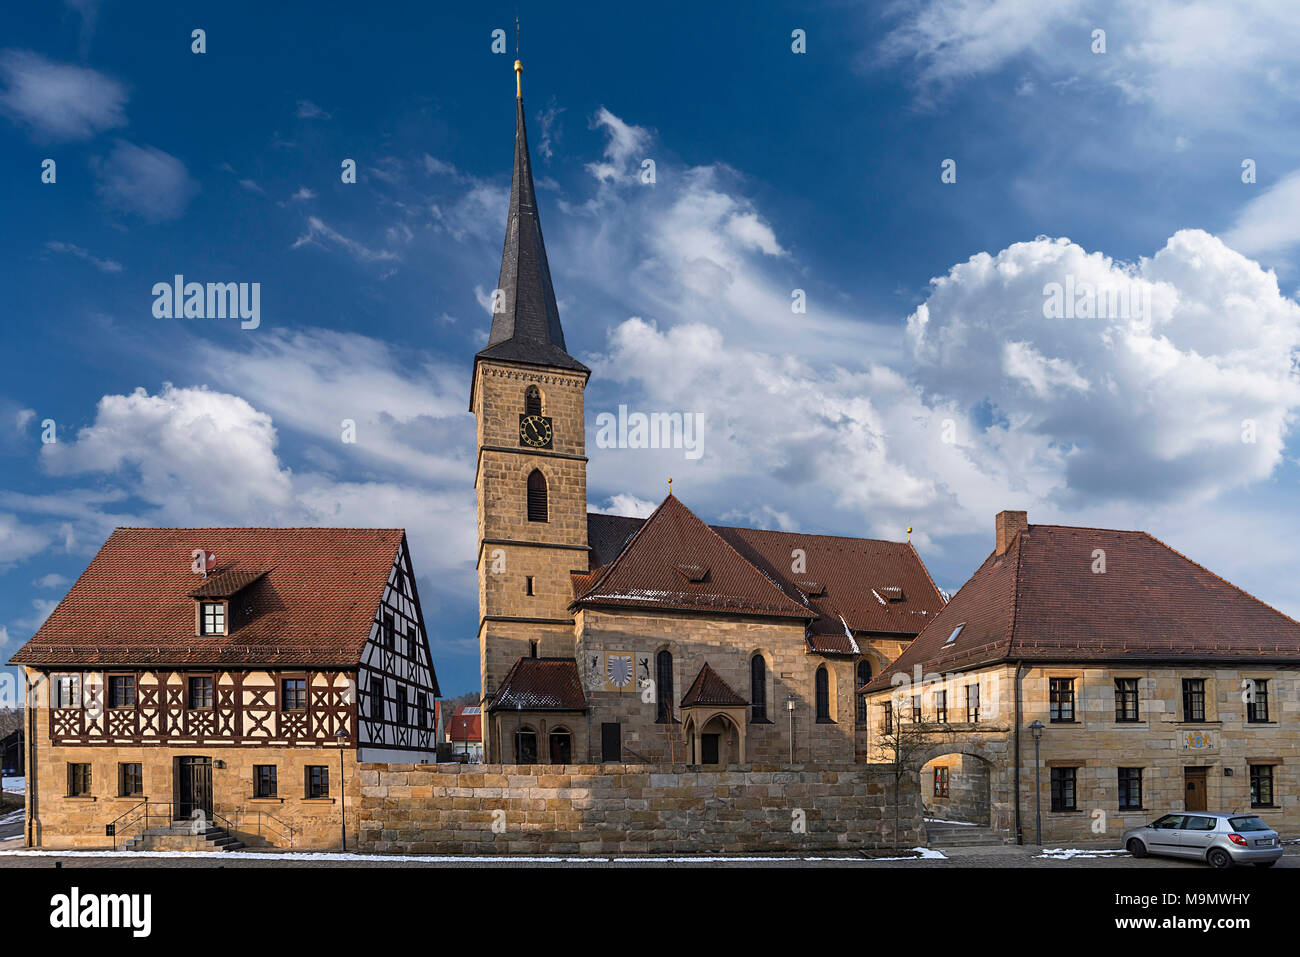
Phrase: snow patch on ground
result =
(939, 820)
(16, 785)
(1067, 853)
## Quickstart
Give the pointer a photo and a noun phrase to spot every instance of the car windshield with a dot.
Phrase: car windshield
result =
(1248, 823)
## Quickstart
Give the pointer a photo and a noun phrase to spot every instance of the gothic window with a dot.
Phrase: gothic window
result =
(864, 676)
(757, 690)
(561, 746)
(664, 686)
(537, 508)
(525, 746)
(532, 401)
(823, 696)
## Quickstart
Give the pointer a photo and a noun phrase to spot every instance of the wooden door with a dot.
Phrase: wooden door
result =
(1194, 788)
(193, 787)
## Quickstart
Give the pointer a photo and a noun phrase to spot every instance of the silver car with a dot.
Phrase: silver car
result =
(1220, 840)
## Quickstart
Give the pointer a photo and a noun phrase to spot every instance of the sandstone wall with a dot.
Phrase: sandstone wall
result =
(628, 809)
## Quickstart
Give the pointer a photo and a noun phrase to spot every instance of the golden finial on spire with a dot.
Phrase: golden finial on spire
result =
(909, 533)
(670, 486)
(519, 66)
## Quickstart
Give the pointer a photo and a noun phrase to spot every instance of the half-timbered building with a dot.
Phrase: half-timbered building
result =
(234, 676)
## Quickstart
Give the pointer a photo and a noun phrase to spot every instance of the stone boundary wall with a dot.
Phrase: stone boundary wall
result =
(632, 809)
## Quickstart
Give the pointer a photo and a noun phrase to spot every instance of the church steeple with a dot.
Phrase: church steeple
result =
(525, 321)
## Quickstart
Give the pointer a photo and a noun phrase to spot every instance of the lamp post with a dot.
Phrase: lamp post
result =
(342, 736)
(1036, 729)
(789, 707)
(519, 729)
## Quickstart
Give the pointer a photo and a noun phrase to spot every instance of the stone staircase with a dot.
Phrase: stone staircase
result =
(941, 834)
(180, 836)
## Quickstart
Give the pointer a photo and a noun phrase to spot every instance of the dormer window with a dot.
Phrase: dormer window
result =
(212, 618)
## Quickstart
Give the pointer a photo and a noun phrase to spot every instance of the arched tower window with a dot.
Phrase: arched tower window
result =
(532, 401)
(823, 696)
(864, 675)
(664, 686)
(537, 507)
(757, 689)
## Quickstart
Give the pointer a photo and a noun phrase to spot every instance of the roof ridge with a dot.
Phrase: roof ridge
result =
(780, 531)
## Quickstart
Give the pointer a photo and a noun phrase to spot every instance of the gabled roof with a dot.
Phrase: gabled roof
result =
(709, 689)
(466, 724)
(647, 573)
(1042, 601)
(526, 327)
(313, 605)
(540, 684)
(836, 584)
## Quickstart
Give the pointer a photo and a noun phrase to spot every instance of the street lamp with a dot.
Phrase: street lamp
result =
(1036, 729)
(789, 707)
(342, 736)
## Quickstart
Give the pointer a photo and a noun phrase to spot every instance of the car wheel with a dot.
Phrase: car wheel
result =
(1136, 848)
(1265, 863)
(1219, 858)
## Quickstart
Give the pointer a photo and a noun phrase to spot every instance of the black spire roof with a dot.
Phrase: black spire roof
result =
(526, 327)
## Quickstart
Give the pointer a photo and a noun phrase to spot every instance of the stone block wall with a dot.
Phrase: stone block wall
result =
(631, 809)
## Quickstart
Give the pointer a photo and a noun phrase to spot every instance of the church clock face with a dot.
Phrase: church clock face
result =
(535, 431)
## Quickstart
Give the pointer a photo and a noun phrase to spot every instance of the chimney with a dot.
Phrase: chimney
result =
(1007, 526)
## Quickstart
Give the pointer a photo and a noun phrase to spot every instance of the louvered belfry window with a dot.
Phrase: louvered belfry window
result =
(532, 401)
(537, 510)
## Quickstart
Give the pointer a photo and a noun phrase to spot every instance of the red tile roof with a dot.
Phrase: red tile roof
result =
(466, 724)
(314, 605)
(710, 689)
(541, 684)
(647, 573)
(846, 586)
(1042, 601)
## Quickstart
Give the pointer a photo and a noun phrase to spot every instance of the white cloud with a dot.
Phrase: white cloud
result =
(1204, 65)
(103, 265)
(307, 110)
(19, 541)
(186, 452)
(58, 102)
(318, 234)
(624, 142)
(52, 580)
(629, 505)
(144, 181)
(1269, 223)
(303, 194)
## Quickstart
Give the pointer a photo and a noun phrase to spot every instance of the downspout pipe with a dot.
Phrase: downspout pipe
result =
(33, 777)
(1019, 675)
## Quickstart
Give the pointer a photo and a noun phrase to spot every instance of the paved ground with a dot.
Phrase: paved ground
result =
(991, 856)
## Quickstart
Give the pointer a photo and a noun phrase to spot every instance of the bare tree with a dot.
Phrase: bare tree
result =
(904, 743)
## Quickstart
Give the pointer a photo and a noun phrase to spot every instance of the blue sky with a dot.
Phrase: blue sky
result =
(923, 386)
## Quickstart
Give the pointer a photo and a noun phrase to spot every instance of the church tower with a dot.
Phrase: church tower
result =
(531, 481)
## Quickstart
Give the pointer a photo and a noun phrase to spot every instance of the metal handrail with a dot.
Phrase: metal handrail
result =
(280, 827)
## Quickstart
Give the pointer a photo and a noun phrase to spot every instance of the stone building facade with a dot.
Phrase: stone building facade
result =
(1158, 687)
